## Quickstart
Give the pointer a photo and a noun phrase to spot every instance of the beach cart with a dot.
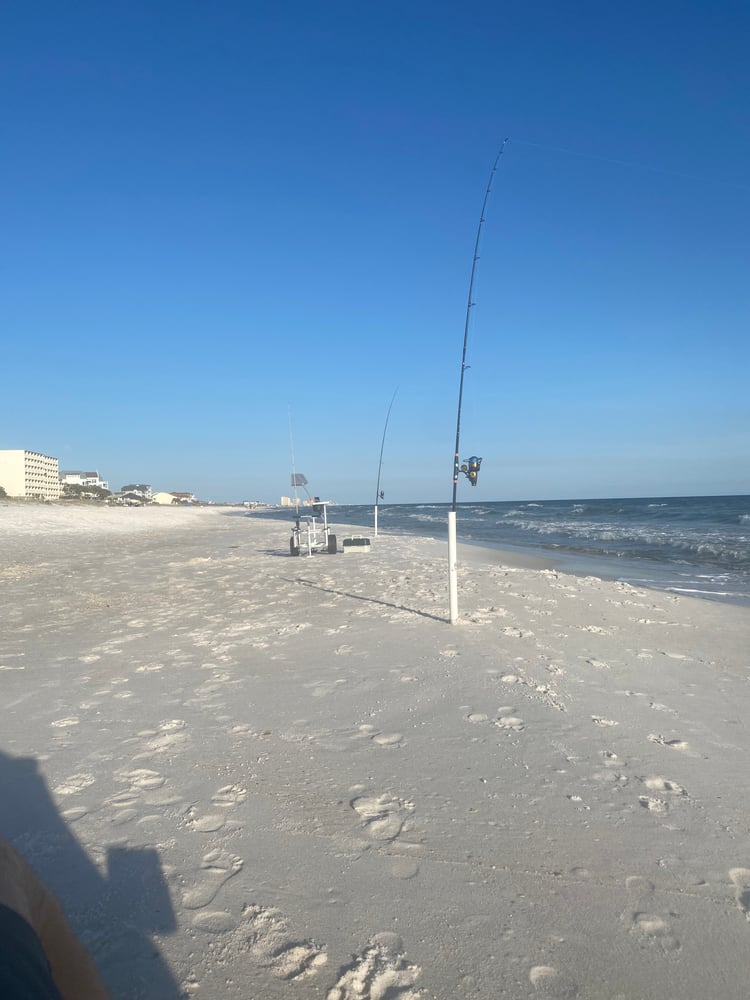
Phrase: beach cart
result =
(311, 531)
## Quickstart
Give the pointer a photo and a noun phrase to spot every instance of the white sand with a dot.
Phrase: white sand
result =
(254, 776)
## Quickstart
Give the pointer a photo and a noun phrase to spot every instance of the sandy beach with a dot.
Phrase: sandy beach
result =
(249, 775)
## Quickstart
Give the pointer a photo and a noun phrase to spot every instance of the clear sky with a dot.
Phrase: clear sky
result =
(224, 220)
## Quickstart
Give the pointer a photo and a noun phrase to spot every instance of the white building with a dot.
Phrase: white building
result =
(170, 498)
(142, 490)
(83, 479)
(29, 474)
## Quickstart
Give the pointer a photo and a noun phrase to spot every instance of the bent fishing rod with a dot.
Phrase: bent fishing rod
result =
(378, 494)
(469, 305)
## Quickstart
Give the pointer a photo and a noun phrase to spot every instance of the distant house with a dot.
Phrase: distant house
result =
(168, 498)
(76, 478)
(142, 490)
(163, 498)
(130, 499)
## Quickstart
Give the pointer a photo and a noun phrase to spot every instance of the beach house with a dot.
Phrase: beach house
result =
(83, 479)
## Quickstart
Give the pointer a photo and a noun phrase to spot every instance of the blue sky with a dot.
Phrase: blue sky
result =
(222, 220)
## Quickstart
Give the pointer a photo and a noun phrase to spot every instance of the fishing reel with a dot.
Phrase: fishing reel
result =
(470, 469)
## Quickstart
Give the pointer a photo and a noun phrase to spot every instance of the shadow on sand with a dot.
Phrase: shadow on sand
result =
(115, 913)
(369, 600)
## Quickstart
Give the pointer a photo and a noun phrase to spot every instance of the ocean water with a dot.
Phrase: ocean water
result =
(688, 545)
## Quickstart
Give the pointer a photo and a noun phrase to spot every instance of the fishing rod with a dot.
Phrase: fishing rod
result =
(378, 494)
(470, 470)
(469, 305)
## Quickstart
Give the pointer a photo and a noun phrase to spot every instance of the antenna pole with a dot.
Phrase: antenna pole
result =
(380, 463)
(294, 471)
(452, 545)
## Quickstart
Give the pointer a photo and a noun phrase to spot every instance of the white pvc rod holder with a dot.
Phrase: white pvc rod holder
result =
(452, 567)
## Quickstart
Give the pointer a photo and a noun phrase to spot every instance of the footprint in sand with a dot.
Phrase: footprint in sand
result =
(206, 824)
(383, 816)
(598, 720)
(169, 736)
(662, 787)
(264, 934)
(404, 868)
(514, 632)
(141, 780)
(482, 616)
(388, 739)
(123, 799)
(145, 779)
(550, 982)
(74, 783)
(374, 735)
(512, 723)
(123, 817)
(149, 668)
(663, 741)
(741, 879)
(229, 795)
(220, 867)
(214, 921)
(645, 924)
(654, 805)
(597, 664)
(75, 813)
(380, 970)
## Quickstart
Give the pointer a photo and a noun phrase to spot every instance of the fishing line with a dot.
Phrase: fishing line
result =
(633, 164)
(380, 463)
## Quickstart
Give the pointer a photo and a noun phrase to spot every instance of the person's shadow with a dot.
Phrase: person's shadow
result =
(115, 913)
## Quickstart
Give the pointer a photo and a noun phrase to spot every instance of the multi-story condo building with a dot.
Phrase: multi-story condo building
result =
(83, 479)
(29, 474)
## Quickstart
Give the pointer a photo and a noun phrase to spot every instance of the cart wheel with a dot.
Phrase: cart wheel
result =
(332, 550)
(293, 549)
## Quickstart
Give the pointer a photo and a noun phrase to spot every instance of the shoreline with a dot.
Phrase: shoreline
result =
(61, 516)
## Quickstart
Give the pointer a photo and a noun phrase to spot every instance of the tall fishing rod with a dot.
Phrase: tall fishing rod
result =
(380, 463)
(469, 305)
(472, 470)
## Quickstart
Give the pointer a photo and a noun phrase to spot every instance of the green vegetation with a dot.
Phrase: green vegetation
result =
(72, 491)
